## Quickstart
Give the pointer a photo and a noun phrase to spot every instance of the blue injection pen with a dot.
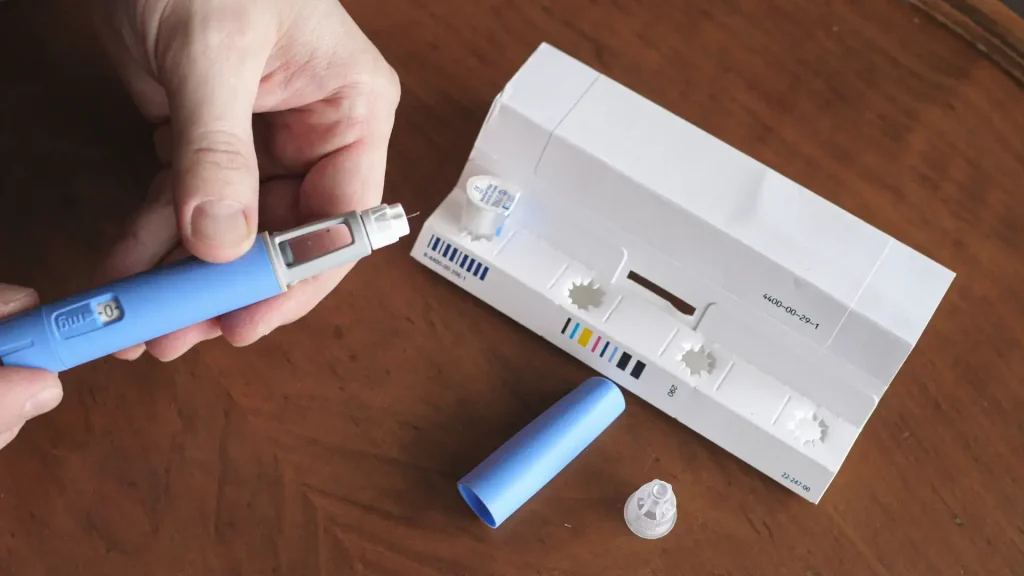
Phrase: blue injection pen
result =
(76, 330)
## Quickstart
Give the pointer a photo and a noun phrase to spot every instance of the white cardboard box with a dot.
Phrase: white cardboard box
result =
(806, 312)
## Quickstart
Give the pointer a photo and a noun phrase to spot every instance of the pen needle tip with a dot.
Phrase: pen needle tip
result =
(413, 215)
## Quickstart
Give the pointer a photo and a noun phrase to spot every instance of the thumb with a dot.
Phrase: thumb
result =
(24, 393)
(212, 74)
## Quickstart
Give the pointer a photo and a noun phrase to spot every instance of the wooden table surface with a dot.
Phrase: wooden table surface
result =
(333, 446)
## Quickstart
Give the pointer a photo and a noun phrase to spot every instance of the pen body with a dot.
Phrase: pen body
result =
(97, 323)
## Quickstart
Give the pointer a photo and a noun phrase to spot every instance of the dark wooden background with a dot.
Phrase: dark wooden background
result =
(334, 445)
(996, 27)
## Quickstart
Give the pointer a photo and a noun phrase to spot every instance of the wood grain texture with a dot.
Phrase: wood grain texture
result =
(988, 24)
(333, 446)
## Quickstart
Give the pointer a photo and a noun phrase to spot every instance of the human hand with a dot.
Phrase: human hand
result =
(24, 393)
(273, 113)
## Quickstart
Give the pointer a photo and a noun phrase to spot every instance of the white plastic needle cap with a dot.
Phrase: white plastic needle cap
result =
(651, 510)
(385, 224)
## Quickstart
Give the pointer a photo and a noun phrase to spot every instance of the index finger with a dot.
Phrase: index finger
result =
(348, 178)
(358, 111)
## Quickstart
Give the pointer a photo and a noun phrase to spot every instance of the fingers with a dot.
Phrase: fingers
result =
(212, 70)
(131, 354)
(333, 128)
(174, 345)
(24, 393)
(111, 20)
(7, 437)
(15, 299)
(152, 239)
(279, 210)
(348, 177)
(151, 234)
(163, 144)
(351, 178)
(246, 326)
(359, 113)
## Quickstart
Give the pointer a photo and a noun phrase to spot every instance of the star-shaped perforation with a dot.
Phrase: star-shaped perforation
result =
(697, 361)
(808, 428)
(586, 295)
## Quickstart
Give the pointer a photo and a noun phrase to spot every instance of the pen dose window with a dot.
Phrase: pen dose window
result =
(88, 316)
(109, 310)
(309, 247)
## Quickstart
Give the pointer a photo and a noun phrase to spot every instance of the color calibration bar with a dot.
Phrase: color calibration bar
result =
(604, 348)
(458, 258)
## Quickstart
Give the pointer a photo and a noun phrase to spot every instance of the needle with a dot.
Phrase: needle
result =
(411, 216)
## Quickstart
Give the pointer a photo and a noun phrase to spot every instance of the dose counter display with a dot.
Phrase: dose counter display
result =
(87, 316)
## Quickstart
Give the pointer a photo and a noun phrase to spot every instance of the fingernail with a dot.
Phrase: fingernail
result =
(42, 402)
(219, 222)
(11, 294)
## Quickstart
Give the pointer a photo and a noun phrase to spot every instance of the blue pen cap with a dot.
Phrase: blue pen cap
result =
(510, 476)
